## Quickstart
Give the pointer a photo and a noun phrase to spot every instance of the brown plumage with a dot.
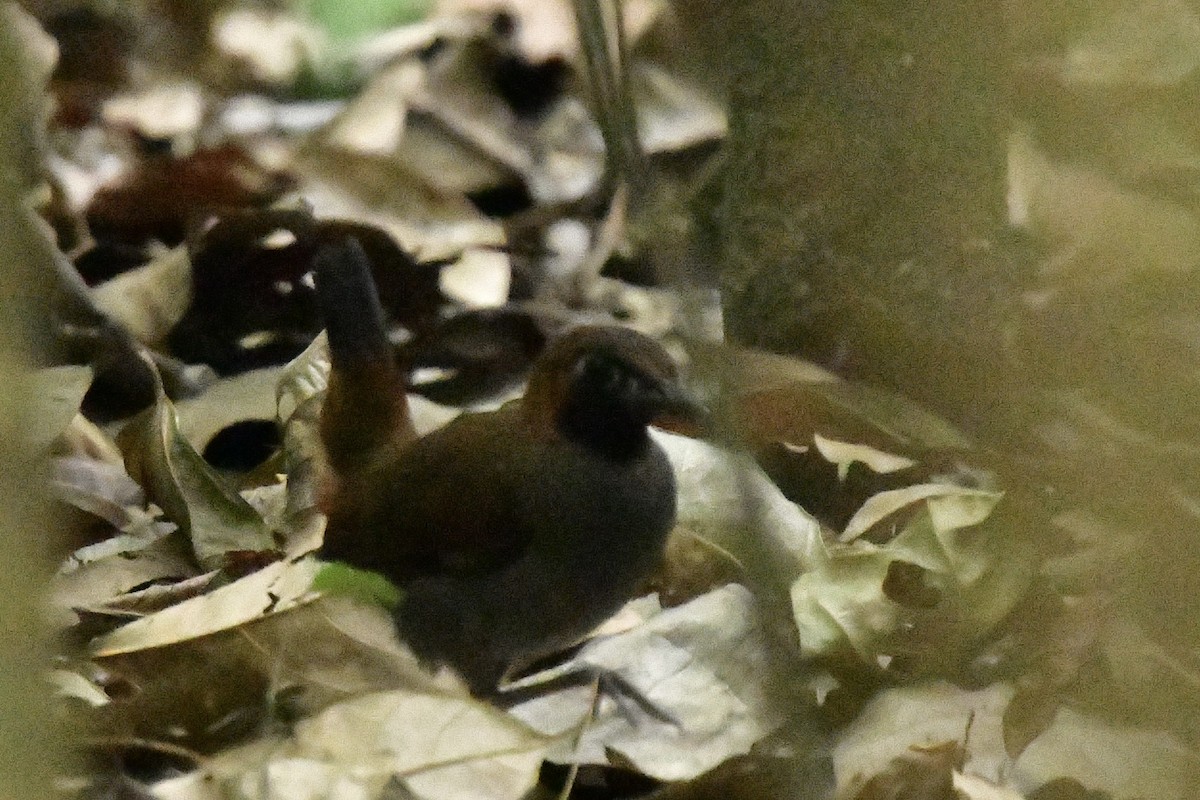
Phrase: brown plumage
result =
(513, 532)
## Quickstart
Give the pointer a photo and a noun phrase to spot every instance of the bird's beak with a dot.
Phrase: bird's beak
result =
(679, 412)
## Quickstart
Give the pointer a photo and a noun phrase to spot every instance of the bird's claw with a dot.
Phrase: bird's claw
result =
(630, 700)
(627, 696)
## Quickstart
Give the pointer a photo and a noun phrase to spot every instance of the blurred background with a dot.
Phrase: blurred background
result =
(959, 235)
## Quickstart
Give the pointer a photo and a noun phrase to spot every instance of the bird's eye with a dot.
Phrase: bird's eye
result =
(597, 371)
(602, 376)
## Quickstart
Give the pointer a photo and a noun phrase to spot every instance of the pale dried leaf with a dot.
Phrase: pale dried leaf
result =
(1125, 762)
(921, 716)
(85, 439)
(976, 574)
(97, 487)
(374, 121)
(274, 45)
(161, 112)
(438, 747)
(155, 598)
(250, 395)
(303, 378)
(884, 504)
(150, 300)
(272, 589)
(479, 279)
(973, 787)
(68, 683)
(92, 579)
(215, 518)
(671, 114)
(56, 393)
(426, 222)
(843, 454)
(719, 494)
(705, 663)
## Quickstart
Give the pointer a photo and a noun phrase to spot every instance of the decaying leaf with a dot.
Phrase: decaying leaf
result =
(253, 300)
(391, 744)
(213, 516)
(271, 589)
(158, 198)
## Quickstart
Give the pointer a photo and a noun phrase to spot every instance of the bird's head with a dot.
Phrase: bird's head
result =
(601, 387)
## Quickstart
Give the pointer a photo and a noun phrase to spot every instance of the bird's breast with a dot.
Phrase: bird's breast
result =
(600, 524)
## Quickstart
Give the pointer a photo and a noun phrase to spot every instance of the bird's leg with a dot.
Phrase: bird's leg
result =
(631, 700)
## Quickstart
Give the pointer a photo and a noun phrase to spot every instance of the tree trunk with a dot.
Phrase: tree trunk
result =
(864, 192)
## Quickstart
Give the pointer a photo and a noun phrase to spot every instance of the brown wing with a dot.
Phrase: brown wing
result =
(445, 504)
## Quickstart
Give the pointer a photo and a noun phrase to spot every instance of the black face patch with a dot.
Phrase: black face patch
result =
(609, 402)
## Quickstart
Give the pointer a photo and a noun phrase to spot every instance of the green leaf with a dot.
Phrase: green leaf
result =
(210, 513)
(349, 21)
(359, 584)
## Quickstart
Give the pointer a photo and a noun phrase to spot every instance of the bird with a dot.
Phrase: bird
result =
(513, 533)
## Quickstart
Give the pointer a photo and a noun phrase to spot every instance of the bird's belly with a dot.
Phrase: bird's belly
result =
(595, 533)
(598, 536)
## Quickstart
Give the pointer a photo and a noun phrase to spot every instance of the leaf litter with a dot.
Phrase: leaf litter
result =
(908, 611)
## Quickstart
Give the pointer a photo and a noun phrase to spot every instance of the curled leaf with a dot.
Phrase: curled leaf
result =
(943, 580)
(845, 453)
(963, 507)
(212, 515)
